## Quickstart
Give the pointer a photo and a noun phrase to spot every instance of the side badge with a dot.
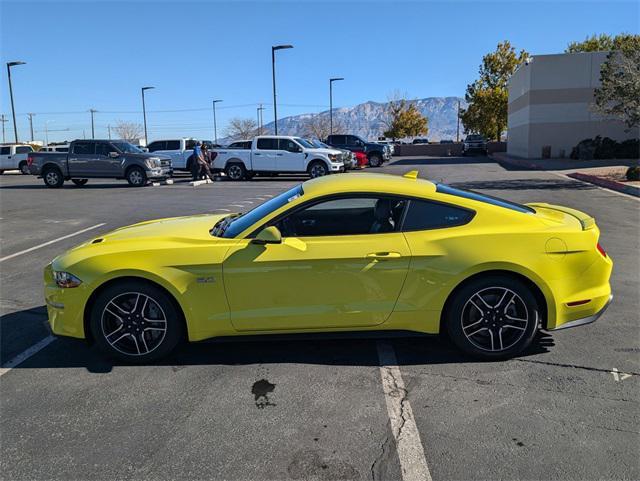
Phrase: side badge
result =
(204, 280)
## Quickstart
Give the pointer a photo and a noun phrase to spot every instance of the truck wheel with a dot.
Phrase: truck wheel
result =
(318, 169)
(235, 171)
(1, 172)
(375, 160)
(136, 176)
(24, 168)
(53, 178)
(79, 182)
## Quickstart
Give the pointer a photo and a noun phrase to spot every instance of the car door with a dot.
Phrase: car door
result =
(81, 158)
(336, 268)
(263, 158)
(5, 158)
(289, 157)
(338, 141)
(105, 165)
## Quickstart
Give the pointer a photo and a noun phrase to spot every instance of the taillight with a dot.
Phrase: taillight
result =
(29, 161)
(213, 156)
(601, 250)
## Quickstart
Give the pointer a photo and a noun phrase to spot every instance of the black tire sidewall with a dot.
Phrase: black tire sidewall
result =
(240, 166)
(174, 323)
(80, 182)
(454, 311)
(142, 172)
(375, 160)
(322, 164)
(58, 173)
(24, 165)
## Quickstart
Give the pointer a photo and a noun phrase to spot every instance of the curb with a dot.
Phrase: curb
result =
(609, 184)
(514, 163)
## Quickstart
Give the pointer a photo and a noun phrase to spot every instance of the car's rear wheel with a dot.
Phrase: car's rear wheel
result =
(80, 182)
(52, 177)
(493, 317)
(375, 160)
(318, 169)
(136, 176)
(235, 171)
(24, 168)
(135, 322)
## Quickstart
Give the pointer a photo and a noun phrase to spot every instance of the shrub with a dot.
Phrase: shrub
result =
(606, 148)
(633, 173)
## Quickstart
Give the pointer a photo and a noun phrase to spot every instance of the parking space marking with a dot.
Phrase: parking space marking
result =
(413, 463)
(622, 194)
(236, 205)
(24, 355)
(39, 246)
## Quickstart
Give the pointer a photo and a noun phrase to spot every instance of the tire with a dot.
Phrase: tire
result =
(375, 160)
(235, 171)
(80, 182)
(52, 177)
(493, 317)
(24, 168)
(136, 176)
(135, 322)
(1, 172)
(317, 169)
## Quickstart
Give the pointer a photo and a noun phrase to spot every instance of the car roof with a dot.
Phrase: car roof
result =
(365, 182)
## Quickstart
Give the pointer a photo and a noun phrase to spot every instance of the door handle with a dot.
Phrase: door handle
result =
(279, 155)
(384, 255)
(256, 154)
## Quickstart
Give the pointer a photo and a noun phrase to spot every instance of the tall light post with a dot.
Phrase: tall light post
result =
(215, 126)
(273, 73)
(331, 80)
(144, 114)
(13, 110)
(30, 115)
(259, 113)
(3, 120)
(93, 130)
(458, 124)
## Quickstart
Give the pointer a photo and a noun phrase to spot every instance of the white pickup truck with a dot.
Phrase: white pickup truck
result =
(277, 154)
(180, 150)
(14, 157)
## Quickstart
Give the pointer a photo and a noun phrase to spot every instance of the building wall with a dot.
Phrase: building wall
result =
(550, 105)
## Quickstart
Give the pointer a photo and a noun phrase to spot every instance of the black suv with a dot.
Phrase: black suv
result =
(376, 153)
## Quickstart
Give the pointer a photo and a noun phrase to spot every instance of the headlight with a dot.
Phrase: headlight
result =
(333, 157)
(154, 162)
(66, 280)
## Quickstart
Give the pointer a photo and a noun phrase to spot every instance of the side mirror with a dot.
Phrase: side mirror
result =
(268, 235)
(114, 155)
(298, 150)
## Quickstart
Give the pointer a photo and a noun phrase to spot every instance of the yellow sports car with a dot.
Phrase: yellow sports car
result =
(352, 252)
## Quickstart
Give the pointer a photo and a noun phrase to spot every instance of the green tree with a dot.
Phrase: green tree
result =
(488, 97)
(404, 120)
(604, 42)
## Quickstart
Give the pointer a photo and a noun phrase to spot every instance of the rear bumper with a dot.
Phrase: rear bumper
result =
(585, 320)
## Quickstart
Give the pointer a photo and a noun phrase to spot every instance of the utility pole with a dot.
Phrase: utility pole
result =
(331, 80)
(30, 115)
(273, 74)
(259, 112)
(93, 132)
(3, 122)
(109, 129)
(215, 125)
(13, 110)
(144, 114)
(458, 128)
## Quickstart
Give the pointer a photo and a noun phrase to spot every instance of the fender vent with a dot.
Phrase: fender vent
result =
(97, 241)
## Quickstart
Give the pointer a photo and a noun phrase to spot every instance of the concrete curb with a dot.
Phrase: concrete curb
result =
(609, 184)
(504, 159)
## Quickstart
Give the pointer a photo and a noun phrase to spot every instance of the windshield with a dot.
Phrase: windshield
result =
(303, 142)
(126, 147)
(318, 143)
(475, 137)
(233, 225)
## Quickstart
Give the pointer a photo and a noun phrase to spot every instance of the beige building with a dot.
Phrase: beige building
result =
(550, 105)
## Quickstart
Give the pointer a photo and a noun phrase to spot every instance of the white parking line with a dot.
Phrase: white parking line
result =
(24, 355)
(11, 256)
(413, 463)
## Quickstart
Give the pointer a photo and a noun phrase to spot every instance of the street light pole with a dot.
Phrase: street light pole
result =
(331, 80)
(93, 131)
(46, 132)
(259, 112)
(13, 110)
(3, 122)
(215, 125)
(273, 74)
(458, 125)
(144, 113)
(30, 115)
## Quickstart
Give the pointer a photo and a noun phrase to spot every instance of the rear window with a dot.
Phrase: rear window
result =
(84, 148)
(267, 144)
(173, 145)
(424, 215)
(23, 149)
(487, 199)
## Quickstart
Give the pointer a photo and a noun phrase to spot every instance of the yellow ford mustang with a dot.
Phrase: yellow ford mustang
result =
(352, 252)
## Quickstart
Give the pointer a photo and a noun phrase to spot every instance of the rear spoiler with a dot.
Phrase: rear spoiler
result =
(586, 220)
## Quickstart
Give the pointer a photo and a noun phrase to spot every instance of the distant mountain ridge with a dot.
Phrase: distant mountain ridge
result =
(367, 119)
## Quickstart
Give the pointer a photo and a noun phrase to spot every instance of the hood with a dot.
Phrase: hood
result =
(325, 151)
(193, 227)
(145, 155)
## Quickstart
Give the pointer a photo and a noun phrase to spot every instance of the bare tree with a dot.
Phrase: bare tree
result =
(239, 128)
(128, 131)
(319, 127)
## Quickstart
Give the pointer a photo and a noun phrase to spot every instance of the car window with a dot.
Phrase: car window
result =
(356, 215)
(158, 145)
(190, 144)
(23, 149)
(173, 145)
(5, 151)
(488, 199)
(84, 148)
(288, 145)
(61, 149)
(267, 144)
(352, 141)
(424, 215)
(337, 139)
(103, 148)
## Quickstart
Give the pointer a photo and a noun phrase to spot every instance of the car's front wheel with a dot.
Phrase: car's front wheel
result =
(318, 169)
(135, 322)
(493, 317)
(136, 176)
(375, 160)
(235, 171)
(24, 168)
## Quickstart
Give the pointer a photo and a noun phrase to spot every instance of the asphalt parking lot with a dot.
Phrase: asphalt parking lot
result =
(311, 408)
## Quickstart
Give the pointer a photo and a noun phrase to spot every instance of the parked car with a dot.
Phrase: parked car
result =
(55, 148)
(364, 252)
(376, 153)
(240, 144)
(348, 157)
(474, 143)
(14, 157)
(277, 154)
(90, 159)
(361, 159)
(420, 141)
(389, 144)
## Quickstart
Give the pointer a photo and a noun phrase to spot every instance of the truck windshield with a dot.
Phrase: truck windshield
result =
(232, 225)
(126, 148)
(303, 142)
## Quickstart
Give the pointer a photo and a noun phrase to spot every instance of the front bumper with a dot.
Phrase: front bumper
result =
(160, 172)
(337, 167)
(585, 320)
(65, 307)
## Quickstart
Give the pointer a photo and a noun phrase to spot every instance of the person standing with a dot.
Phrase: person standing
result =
(196, 163)
(205, 162)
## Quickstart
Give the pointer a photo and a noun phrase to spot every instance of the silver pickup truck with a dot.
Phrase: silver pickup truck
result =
(102, 159)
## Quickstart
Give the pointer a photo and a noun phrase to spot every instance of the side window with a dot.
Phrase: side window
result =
(267, 144)
(188, 145)
(23, 149)
(288, 145)
(158, 145)
(424, 215)
(173, 145)
(353, 141)
(103, 149)
(84, 148)
(345, 216)
(338, 140)
(5, 150)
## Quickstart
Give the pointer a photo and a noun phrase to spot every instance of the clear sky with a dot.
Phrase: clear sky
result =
(97, 54)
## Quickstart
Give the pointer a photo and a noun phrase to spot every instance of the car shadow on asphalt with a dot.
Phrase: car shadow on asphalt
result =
(343, 349)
